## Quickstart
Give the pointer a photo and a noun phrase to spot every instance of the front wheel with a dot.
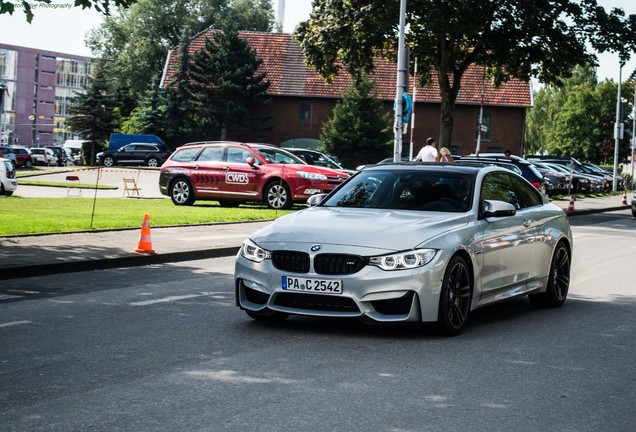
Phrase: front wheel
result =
(153, 162)
(558, 280)
(454, 301)
(109, 161)
(182, 192)
(277, 196)
(28, 164)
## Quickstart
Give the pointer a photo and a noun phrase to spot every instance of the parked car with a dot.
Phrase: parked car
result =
(152, 155)
(407, 244)
(234, 173)
(607, 177)
(8, 182)
(528, 171)
(20, 156)
(59, 155)
(557, 183)
(580, 182)
(314, 157)
(42, 156)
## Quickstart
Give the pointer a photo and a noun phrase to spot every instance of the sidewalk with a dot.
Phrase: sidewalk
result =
(24, 256)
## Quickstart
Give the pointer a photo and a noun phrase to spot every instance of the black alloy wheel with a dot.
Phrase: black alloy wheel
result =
(454, 302)
(558, 280)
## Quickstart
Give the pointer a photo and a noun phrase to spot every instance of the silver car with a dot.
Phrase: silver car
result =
(409, 243)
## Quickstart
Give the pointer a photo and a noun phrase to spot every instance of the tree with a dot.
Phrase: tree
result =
(93, 114)
(103, 6)
(512, 38)
(225, 85)
(358, 132)
(135, 43)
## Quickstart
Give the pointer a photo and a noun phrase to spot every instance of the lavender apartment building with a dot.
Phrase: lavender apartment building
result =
(36, 86)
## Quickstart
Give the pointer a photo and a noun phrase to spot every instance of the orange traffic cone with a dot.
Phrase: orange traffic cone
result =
(624, 200)
(145, 243)
(571, 206)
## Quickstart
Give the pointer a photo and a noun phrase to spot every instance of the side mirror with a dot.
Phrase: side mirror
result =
(316, 199)
(494, 208)
(251, 162)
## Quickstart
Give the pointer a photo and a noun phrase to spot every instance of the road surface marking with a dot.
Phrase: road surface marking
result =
(14, 323)
(171, 299)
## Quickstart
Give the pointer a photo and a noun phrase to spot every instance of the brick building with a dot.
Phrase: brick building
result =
(38, 85)
(302, 101)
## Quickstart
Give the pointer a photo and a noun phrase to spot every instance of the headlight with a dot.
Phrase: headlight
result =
(404, 260)
(311, 176)
(253, 252)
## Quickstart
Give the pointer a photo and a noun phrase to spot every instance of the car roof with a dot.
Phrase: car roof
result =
(437, 166)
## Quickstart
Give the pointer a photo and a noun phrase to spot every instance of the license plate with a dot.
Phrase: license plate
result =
(321, 286)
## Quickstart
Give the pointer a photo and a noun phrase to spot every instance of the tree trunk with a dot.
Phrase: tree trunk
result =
(448, 94)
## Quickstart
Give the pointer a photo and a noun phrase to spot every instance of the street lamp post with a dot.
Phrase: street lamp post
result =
(618, 128)
(401, 82)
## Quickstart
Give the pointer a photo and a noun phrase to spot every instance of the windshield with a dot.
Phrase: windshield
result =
(275, 155)
(406, 190)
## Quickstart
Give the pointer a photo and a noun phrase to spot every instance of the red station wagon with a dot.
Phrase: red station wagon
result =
(233, 173)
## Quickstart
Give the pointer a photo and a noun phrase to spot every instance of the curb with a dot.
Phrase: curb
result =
(135, 260)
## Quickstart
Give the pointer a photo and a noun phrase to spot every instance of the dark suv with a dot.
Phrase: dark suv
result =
(528, 171)
(152, 155)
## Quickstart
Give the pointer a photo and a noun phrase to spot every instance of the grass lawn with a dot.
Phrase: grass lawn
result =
(49, 215)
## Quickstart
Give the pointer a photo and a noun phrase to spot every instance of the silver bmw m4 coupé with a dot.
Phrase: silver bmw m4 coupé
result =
(423, 243)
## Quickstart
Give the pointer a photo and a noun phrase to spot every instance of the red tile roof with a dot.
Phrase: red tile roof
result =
(283, 61)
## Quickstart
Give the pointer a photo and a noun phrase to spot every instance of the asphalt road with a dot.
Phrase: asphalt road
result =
(164, 348)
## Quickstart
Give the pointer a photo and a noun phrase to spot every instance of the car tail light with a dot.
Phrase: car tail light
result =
(537, 184)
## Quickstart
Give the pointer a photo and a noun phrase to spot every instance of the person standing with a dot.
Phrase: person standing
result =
(445, 155)
(428, 153)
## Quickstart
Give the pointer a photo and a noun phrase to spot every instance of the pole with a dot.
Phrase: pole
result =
(618, 128)
(401, 72)
(413, 110)
(481, 114)
(631, 177)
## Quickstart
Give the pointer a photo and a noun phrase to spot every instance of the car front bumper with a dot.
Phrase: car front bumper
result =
(371, 293)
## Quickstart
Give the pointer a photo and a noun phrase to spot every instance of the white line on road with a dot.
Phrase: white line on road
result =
(171, 299)
(14, 323)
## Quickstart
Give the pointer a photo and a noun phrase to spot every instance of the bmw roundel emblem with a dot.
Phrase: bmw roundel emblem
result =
(315, 248)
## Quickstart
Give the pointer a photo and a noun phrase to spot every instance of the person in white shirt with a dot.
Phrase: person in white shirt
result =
(428, 153)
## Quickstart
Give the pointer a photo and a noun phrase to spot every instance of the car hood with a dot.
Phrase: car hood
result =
(357, 230)
(308, 168)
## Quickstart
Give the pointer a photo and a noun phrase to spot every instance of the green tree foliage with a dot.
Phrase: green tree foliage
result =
(94, 114)
(225, 86)
(134, 43)
(518, 38)
(103, 6)
(577, 119)
(359, 131)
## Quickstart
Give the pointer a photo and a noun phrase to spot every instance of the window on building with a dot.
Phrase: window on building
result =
(304, 113)
(8, 64)
(485, 126)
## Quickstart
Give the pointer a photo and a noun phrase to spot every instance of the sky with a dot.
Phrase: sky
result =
(63, 28)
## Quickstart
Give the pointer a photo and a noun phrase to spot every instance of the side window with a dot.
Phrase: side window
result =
(527, 195)
(304, 113)
(237, 155)
(211, 154)
(185, 155)
(497, 186)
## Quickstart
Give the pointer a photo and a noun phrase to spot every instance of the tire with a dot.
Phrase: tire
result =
(182, 192)
(455, 297)
(277, 196)
(28, 164)
(153, 162)
(109, 161)
(267, 315)
(558, 280)
(229, 203)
